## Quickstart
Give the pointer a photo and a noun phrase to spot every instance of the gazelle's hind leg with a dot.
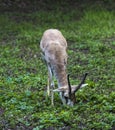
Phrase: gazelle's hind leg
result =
(49, 74)
(50, 85)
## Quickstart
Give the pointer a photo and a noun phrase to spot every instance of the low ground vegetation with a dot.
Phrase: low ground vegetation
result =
(23, 76)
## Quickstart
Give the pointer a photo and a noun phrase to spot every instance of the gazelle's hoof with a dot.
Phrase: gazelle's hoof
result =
(48, 92)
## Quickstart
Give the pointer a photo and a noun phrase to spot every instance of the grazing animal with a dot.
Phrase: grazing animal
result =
(54, 52)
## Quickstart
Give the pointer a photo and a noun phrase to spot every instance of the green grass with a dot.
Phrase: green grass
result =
(23, 75)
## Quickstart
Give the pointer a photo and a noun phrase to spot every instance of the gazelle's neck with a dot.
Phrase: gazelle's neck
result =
(62, 79)
(61, 76)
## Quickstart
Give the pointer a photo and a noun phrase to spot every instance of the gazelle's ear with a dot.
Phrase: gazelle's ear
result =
(61, 89)
(73, 87)
(83, 85)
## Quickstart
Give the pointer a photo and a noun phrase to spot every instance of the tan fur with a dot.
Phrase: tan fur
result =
(54, 46)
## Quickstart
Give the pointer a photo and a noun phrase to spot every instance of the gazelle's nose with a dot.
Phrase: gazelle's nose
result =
(70, 103)
(66, 94)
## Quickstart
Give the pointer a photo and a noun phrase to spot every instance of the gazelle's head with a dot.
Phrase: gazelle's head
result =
(68, 92)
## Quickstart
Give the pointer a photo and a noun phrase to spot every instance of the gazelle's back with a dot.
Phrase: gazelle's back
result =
(54, 46)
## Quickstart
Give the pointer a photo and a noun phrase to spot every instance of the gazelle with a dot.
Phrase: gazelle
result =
(54, 46)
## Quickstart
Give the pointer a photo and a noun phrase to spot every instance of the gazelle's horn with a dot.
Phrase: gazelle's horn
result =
(69, 85)
(82, 82)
